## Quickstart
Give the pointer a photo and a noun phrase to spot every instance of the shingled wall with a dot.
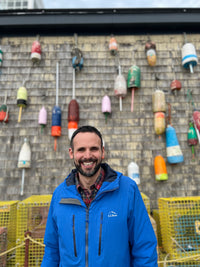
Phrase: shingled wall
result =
(127, 135)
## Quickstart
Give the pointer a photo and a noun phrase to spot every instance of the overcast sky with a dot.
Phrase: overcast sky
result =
(119, 3)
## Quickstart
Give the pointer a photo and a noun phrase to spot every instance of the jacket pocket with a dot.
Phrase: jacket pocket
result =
(74, 236)
(100, 233)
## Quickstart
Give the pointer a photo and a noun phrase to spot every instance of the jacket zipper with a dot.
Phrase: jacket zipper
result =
(100, 233)
(86, 237)
(74, 236)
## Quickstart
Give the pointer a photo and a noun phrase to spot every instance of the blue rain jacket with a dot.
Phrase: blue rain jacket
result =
(115, 231)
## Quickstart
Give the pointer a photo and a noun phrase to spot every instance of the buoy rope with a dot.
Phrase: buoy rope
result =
(21, 245)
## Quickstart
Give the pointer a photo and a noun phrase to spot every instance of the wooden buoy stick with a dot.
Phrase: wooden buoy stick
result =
(132, 99)
(20, 113)
(22, 185)
(120, 103)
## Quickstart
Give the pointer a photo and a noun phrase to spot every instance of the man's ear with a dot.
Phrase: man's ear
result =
(103, 153)
(71, 153)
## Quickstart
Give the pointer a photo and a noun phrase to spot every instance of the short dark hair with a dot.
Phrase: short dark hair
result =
(86, 129)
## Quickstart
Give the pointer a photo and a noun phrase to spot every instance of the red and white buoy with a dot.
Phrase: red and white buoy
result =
(36, 51)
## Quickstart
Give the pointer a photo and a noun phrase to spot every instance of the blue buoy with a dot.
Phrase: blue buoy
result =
(56, 116)
(174, 153)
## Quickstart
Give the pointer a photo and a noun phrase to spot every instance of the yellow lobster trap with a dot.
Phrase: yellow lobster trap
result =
(146, 200)
(31, 223)
(8, 222)
(180, 227)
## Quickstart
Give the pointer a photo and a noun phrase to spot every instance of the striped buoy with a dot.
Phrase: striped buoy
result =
(192, 138)
(189, 57)
(196, 118)
(160, 168)
(158, 100)
(73, 117)
(36, 52)
(150, 49)
(1, 57)
(133, 172)
(174, 153)
(133, 81)
(159, 122)
(113, 47)
(21, 100)
(56, 121)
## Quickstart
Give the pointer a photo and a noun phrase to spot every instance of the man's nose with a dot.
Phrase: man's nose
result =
(87, 153)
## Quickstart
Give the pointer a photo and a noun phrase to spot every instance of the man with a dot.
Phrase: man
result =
(97, 217)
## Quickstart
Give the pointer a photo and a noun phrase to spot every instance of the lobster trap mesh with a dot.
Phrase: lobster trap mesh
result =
(31, 223)
(180, 226)
(8, 220)
(155, 214)
(146, 200)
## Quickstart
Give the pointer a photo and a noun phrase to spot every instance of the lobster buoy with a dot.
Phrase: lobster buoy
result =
(174, 153)
(120, 89)
(159, 122)
(106, 106)
(36, 52)
(175, 85)
(1, 57)
(73, 117)
(4, 116)
(158, 99)
(189, 57)
(24, 161)
(42, 119)
(192, 138)
(196, 118)
(133, 172)
(21, 100)
(150, 49)
(160, 168)
(133, 81)
(77, 58)
(56, 124)
(113, 47)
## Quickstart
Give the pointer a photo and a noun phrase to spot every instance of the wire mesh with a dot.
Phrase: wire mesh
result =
(8, 221)
(146, 200)
(180, 226)
(31, 221)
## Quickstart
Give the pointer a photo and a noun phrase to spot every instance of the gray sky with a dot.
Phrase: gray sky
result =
(120, 3)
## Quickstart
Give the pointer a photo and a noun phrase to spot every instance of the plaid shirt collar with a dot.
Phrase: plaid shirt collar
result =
(85, 194)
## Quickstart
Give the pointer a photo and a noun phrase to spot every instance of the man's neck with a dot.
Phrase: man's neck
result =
(86, 182)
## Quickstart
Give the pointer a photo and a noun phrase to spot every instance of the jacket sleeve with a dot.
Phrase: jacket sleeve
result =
(51, 253)
(142, 237)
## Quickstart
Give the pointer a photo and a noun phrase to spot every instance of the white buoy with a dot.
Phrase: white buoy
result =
(189, 57)
(133, 172)
(24, 161)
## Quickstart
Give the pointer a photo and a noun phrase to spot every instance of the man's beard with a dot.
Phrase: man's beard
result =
(88, 173)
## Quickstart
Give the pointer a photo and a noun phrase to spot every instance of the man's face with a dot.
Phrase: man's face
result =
(87, 153)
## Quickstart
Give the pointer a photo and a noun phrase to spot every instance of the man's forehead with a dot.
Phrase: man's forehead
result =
(86, 137)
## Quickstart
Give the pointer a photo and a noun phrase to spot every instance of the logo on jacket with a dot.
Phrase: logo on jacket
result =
(112, 214)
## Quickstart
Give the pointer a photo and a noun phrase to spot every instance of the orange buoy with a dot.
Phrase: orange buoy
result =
(160, 168)
(113, 47)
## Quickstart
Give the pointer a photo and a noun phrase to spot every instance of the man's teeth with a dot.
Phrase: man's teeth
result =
(87, 163)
